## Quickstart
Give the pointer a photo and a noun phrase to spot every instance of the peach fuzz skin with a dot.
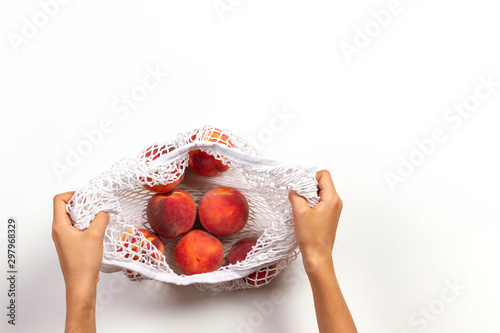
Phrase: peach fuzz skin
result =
(223, 211)
(239, 252)
(199, 252)
(171, 214)
(205, 164)
(240, 249)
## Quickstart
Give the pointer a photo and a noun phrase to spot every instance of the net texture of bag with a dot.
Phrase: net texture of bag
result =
(264, 182)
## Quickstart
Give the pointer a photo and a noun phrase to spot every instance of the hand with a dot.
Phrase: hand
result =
(316, 227)
(80, 256)
(80, 252)
(315, 230)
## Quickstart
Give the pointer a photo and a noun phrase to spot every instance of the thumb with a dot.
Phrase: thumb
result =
(297, 201)
(100, 222)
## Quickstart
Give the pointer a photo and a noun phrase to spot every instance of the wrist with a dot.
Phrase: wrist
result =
(81, 295)
(317, 263)
(80, 307)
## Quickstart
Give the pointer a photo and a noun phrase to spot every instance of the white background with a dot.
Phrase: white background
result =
(397, 251)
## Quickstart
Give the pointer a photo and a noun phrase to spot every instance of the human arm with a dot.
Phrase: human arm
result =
(315, 231)
(80, 257)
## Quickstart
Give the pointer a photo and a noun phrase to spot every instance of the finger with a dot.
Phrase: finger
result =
(60, 214)
(100, 222)
(327, 190)
(297, 200)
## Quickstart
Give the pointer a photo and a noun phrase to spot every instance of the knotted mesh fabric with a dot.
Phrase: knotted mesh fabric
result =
(264, 182)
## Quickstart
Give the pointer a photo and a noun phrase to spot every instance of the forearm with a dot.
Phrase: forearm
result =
(332, 312)
(80, 309)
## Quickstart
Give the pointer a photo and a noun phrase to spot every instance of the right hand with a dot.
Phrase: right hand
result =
(79, 252)
(316, 227)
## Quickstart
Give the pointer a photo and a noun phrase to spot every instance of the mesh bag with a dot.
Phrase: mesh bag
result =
(122, 192)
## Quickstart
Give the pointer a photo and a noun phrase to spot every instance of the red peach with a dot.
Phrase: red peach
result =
(171, 214)
(152, 153)
(205, 164)
(239, 252)
(164, 188)
(199, 252)
(223, 211)
(132, 240)
(262, 276)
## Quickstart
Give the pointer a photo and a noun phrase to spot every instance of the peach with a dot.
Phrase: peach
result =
(239, 252)
(223, 211)
(262, 276)
(131, 240)
(205, 164)
(164, 188)
(152, 153)
(199, 252)
(171, 214)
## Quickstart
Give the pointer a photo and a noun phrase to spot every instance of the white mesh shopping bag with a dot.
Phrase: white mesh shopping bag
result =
(124, 191)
